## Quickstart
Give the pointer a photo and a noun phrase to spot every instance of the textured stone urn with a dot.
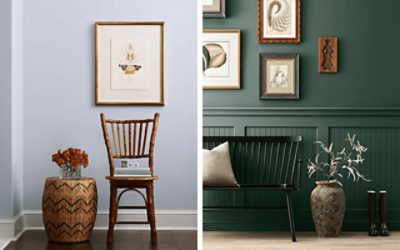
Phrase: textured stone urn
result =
(328, 206)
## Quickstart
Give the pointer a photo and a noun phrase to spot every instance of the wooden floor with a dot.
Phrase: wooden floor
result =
(305, 241)
(134, 240)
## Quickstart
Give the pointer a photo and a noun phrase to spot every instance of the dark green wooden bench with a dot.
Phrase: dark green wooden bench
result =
(261, 163)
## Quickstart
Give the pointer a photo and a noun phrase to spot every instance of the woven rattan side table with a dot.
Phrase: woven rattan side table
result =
(69, 208)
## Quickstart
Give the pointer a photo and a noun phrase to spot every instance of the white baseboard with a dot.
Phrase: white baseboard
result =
(11, 229)
(6, 228)
(165, 220)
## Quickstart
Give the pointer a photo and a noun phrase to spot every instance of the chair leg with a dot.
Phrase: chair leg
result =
(151, 213)
(290, 212)
(112, 217)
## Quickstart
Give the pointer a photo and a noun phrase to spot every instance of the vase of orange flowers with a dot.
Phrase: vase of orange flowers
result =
(70, 162)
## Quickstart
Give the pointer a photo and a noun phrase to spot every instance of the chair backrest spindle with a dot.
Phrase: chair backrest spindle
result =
(129, 144)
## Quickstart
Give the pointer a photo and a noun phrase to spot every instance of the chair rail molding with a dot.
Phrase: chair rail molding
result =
(301, 111)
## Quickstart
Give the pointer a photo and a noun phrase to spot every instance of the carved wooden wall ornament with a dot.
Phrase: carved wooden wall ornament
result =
(328, 55)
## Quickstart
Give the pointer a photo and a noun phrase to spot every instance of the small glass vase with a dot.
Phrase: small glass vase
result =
(69, 173)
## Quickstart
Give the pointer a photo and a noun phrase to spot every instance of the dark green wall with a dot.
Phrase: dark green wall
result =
(369, 54)
(361, 98)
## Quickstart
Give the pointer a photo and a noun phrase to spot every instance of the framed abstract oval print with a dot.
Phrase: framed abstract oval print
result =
(221, 59)
(278, 21)
(130, 63)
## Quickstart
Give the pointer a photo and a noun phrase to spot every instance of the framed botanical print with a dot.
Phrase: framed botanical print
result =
(213, 8)
(279, 76)
(130, 63)
(221, 59)
(278, 21)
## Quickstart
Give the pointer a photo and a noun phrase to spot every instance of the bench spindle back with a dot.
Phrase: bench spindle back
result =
(262, 160)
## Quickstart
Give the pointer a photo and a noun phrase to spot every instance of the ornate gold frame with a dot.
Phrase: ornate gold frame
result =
(162, 101)
(262, 39)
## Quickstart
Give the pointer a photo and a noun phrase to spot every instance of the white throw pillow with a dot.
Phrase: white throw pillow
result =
(217, 167)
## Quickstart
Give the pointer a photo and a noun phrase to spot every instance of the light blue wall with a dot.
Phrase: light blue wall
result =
(6, 207)
(11, 113)
(59, 83)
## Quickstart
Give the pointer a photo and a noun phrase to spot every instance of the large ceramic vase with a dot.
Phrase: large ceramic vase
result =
(328, 206)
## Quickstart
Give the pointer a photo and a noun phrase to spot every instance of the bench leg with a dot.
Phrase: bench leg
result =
(290, 212)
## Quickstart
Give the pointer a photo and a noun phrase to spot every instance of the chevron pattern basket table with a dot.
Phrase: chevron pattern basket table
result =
(69, 209)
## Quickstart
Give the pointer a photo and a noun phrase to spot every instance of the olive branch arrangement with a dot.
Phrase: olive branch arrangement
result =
(340, 161)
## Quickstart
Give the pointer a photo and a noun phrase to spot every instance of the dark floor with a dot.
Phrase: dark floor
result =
(123, 239)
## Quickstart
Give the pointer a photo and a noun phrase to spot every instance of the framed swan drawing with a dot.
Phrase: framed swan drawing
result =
(279, 21)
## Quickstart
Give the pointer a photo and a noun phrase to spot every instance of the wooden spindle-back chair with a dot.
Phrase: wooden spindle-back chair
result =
(130, 139)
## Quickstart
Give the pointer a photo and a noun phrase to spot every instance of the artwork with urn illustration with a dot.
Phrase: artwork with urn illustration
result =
(278, 21)
(129, 63)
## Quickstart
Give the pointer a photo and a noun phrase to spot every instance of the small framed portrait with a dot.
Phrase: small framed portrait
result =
(278, 21)
(130, 63)
(213, 8)
(221, 59)
(279, 76)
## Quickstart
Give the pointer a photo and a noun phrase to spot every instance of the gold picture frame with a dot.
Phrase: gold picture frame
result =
(126, 73)
(221, 59)
(279, 21)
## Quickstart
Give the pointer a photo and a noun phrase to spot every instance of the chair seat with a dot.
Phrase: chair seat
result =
(131, 178)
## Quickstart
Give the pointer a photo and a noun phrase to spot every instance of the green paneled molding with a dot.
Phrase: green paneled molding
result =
(380, 134)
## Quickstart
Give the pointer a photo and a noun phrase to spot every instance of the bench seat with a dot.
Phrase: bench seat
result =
(261, 163)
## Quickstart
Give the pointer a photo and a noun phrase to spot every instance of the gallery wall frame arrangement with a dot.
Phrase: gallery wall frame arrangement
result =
(130, 63)
(221, 59)
(328, 55)
(213, 8)
(279, 21)
(279, 76)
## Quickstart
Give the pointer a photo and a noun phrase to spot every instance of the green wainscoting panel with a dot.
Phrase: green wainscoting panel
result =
(382, 162)
(380, 133)
(219, 131)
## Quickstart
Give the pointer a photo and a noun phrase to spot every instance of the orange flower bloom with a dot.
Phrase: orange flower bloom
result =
(74, 157)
